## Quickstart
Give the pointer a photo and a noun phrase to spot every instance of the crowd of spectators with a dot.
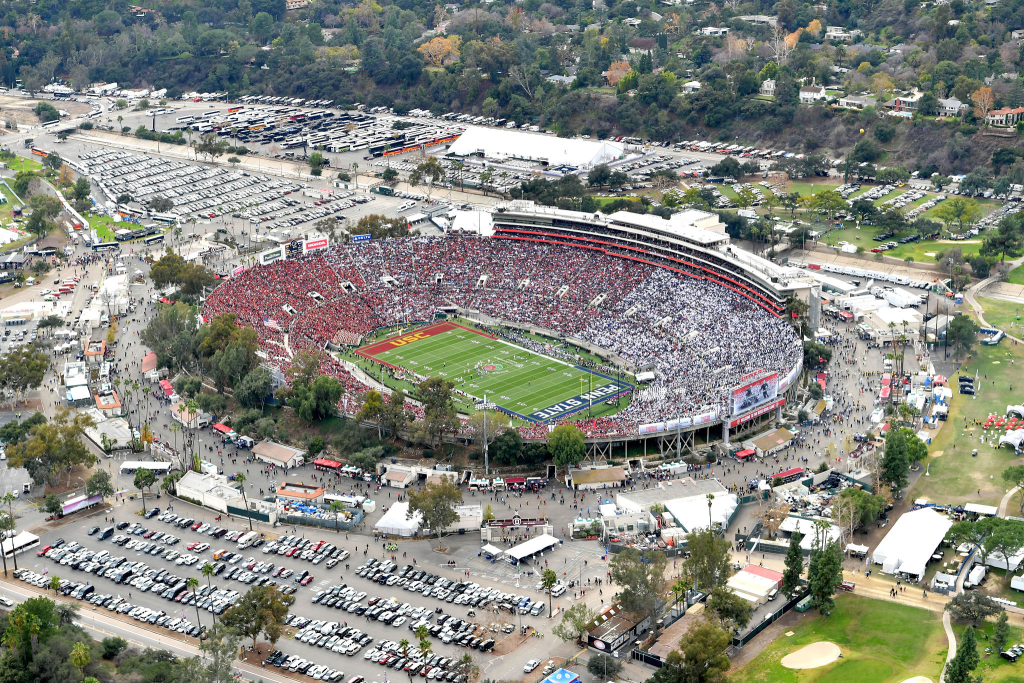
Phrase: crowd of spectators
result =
(697, 337)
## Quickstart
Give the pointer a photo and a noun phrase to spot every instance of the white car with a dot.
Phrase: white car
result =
(531, 665)
(6, 602)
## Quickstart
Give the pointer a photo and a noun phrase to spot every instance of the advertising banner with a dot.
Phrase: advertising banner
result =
(652, 428)
(270, 255)
(314, 245)
(238, 271)
(757, 413)
(754, 392)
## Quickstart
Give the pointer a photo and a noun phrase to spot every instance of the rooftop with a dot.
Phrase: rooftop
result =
(598, 476)
(276, 451)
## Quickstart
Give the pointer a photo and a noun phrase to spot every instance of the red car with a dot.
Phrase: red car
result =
(847, 586)
(309, 579)
(196, 526)
(291, 551)
(192, 545)
(43, 551)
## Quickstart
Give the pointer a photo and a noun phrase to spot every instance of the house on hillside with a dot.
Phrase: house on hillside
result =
(809, 94)
(767, 88)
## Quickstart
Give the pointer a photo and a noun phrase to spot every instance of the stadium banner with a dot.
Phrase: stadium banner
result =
(270, 255)
(238, 271)
(361, 238)
(680, 423)
(704, 418)
(652, 428)
(757, 413)
(314, 245)
(757, 389)
(786, 381)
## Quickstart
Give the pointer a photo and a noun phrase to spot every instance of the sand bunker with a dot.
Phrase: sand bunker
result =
(812, 656)
(918, 679)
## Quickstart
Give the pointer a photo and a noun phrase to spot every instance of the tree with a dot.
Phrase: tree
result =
(548, 577)
(112, 647)
(824, 576)
(80, 657)
(192, 583)
(52, 504)
(730, 610)
(866, 507)
(144, 479)
(255, 387)
(441, 50)
(983, 102)
(508, 447)
(605, 666)
(794, 565)
(436, 505)
(260, 610)
(902, 447)
(240, 478)
(440, 416)
(958, 211)
(1007, 240)
(55, 584)
(966, 659)
(962, 332)
(1014, 477)
(575, 623)
(701, 657)
(708, 564)
(316, 401)
(972, 606)
(566, 445)
(1005, 540)
(641, 576)
(1001, 631)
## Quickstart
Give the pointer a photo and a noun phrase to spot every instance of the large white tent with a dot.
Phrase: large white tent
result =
(537, 544)
(396, 521)
(911, 542)
(805, 527)
(691, 513)
(498, 144)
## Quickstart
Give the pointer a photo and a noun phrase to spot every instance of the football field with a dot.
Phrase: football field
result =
(524, 384)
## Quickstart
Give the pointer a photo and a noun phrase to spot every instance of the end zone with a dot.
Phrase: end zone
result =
(370, 351)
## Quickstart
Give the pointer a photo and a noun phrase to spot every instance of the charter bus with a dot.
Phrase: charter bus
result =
(106, 246)
(40, 152)
(155, 239)
(21, 543)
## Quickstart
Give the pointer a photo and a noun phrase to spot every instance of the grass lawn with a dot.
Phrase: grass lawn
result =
(1016, 276)
(601, 201)
(1002, 314)
(953, 475)
(24, 164)
(103, 224)
(882, 642)
(533, 387)
(919, 251)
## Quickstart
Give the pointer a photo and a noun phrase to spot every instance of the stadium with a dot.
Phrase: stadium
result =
(631, 326)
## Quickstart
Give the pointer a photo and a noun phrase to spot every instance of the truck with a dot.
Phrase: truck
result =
(901, 299)
(247, 540)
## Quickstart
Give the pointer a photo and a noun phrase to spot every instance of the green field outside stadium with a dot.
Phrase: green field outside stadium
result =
(534, 387)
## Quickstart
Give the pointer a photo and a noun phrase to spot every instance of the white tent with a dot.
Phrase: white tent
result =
(502, 144)
(691, 513)
(1014, 437)
(491, 550)
(535, 545)
(396, 521)
(805, 527)
(911, 542)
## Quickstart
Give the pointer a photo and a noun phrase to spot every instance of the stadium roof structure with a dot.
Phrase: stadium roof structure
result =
(508, 144)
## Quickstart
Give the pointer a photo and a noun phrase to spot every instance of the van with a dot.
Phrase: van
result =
(105, 321)
(106, 533)
(538, 609)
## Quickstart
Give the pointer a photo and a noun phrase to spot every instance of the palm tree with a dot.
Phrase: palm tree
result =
(240, 478)
(207, 570)
(80, 657)
(403, 647)
(12, 523)
(119, 120)
(55, 584)
(192, 583)
(550, 578)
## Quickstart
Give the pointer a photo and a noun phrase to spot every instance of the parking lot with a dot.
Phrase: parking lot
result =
(140, 568)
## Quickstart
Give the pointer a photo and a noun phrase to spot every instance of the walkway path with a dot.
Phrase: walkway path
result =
(952, 645)
(1001, 512)
(974, 290)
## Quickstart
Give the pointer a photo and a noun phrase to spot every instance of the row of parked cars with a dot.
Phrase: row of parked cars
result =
(416, 580)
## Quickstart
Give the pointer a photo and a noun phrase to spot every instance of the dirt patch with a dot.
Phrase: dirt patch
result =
(812, 656)
(20, 108)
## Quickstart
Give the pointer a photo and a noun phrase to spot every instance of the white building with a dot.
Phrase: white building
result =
(809, 94)
(767, 87)
(911, 542)
(501, 145)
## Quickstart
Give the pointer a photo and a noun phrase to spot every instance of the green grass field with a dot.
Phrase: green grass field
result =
(536, 388)
(1016, 276)
(882, 642)
(1001, 314)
